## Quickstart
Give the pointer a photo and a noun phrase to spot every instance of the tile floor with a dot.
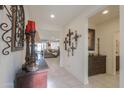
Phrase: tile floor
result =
(58, 77)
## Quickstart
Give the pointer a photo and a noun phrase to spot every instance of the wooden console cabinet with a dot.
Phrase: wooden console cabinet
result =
(34, 79)
(96, 65)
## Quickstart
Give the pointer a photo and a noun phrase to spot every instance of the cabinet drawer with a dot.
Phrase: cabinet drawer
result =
(97, 65)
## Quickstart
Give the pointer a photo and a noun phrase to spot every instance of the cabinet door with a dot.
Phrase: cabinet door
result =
(97, 65)
(117, 63)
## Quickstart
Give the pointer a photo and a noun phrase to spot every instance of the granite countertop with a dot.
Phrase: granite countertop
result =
(42, 66)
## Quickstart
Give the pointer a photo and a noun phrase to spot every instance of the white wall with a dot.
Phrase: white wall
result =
(49, 35)
(9, 64)
(77, 64)
(122, 46)
(49, 32)
(106, 32)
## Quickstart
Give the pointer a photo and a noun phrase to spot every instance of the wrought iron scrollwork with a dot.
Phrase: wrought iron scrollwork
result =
(6, 28)
(15, 14)
(6, 39)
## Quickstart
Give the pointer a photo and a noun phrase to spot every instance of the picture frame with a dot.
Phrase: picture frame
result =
(18, 23)
(91, 39)
(15, 24)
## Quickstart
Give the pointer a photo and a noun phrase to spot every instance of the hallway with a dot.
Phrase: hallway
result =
(58, 77)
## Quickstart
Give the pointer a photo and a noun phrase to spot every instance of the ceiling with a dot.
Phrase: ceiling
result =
(63, 13)
(100, 18)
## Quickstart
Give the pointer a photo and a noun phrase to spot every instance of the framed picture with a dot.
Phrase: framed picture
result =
(18, 23)
(14, 23)
(91, 39)
(1, 7)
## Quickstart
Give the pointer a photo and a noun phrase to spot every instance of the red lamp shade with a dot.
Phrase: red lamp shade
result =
(30, 26)
(33, 26)
(29, 22)
(27, 28)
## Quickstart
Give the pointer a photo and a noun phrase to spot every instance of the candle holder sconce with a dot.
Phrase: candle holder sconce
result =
(15, 24)
(30, 57)
(30, 64)
(27, 57)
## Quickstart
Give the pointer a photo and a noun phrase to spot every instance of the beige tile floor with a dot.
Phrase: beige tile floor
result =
(58, 77)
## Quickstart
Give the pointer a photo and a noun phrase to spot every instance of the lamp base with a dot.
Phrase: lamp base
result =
(32, 67)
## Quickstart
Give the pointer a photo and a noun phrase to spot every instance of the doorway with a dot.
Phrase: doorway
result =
(104, 55)
(117, 51)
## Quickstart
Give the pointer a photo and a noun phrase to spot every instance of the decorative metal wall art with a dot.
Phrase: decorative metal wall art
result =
(73, 48)
(66, 42)
(71, 42)
(69, 36)
(76, 38)
(15, 25)
(1, 7)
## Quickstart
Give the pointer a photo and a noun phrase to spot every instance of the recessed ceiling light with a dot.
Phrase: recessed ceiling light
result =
(105, 12)
(52, 16)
